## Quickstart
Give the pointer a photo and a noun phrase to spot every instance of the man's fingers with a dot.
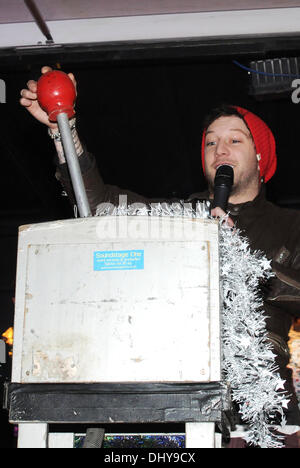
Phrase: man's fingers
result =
(72, 77)
(25, 102)
(230, 222)
(27, 94)
(32, 86)
(219, 213)
(46, 69)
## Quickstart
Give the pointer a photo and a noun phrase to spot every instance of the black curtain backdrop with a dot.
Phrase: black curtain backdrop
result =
(143, 121)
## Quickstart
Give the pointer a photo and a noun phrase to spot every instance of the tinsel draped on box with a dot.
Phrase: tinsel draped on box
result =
(248, 363)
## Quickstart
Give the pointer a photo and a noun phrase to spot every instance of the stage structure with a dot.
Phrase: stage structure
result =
(117, 318)
(117, 330)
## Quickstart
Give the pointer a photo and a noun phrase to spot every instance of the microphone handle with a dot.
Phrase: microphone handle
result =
(221, 195)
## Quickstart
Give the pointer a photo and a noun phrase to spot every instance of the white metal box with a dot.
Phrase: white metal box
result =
(117, 299)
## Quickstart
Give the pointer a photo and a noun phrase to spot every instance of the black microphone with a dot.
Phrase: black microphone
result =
(222, 186)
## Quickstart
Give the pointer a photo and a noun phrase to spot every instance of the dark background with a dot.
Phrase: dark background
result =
(140, 111)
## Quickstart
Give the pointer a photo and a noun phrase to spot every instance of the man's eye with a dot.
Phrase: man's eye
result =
(235, 140)
(210, 143)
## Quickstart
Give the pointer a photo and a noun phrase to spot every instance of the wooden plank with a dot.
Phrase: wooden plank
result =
(32, 435)
(200, 435)
(116, 403)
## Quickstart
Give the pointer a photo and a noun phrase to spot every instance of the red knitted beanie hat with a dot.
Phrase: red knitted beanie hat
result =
(264, 143)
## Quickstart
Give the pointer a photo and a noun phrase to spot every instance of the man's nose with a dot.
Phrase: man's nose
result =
(221, 148)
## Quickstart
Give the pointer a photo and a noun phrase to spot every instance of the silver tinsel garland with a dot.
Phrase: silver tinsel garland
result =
(248, 362)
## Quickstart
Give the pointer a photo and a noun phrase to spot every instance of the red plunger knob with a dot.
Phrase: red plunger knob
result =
(56, 94)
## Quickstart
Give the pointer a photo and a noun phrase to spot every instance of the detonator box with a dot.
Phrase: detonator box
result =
(117, 299)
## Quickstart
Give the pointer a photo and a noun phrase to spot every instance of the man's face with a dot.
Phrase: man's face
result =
(228, 141)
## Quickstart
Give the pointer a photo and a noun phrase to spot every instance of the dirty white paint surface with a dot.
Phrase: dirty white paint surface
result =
(159, 323)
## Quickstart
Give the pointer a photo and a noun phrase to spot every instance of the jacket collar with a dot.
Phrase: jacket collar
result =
(235, 210)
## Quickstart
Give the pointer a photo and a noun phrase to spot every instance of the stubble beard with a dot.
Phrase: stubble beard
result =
(239, 187)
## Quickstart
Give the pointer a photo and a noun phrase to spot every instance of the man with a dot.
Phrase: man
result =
(235, 137)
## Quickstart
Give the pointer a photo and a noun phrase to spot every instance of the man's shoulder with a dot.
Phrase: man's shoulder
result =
(284, 211)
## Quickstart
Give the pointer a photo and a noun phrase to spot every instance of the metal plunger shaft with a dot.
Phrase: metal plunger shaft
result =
(73, 165)
(56, 95)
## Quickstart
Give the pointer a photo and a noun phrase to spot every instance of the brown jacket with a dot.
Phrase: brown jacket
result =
(269, 228)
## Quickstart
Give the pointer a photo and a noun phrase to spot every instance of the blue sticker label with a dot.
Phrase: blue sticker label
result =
(119, 260)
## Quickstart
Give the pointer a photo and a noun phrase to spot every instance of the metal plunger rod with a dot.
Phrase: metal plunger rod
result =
(73, 165)
(56, 95)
